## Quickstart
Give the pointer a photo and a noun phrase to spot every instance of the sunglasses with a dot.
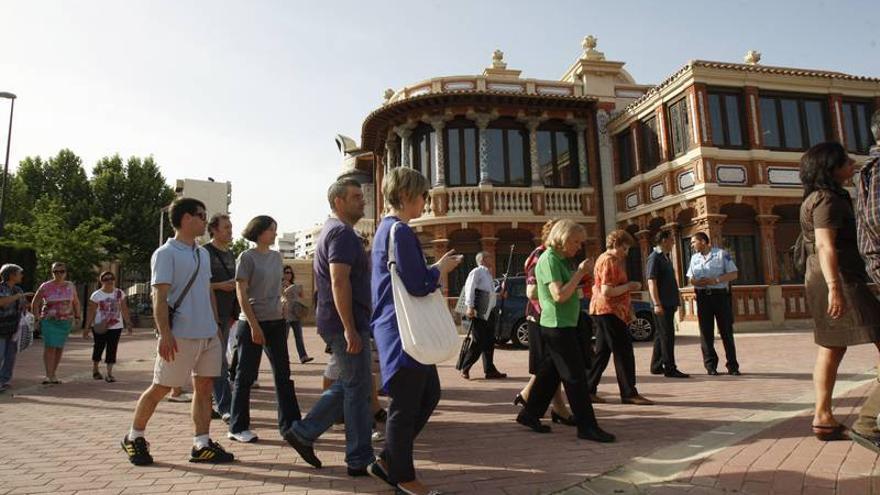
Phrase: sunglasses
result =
(202, 215)
(108, 279)
(59, 271)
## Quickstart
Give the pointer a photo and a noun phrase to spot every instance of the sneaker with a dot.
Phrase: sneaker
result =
(213, 453)
(215, 414)
(225, 417)
(246, 436)
(378, 436)
(184, 397)
(138, 451)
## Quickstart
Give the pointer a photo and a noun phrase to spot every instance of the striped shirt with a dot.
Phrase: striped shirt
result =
(868, 214)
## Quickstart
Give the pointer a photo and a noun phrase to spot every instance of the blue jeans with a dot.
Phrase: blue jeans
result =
(297, 329)
(222, 388)
(8, 352)
(349, 395)
(249, 356)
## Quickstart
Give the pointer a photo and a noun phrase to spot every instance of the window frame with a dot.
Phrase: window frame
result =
(460, 126)
(423, 131)
(631, 159)
(722, 92)
(556, 128)
(869, 111)
(649, 147)
(506, 126)
(686, 128)
(799, 98)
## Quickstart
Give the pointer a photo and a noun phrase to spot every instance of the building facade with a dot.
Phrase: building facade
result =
(715, 147)
(217, 196)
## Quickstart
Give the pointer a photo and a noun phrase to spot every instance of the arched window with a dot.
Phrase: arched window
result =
(508, 151)
(423, 141)
(558, 155)
(462, 152)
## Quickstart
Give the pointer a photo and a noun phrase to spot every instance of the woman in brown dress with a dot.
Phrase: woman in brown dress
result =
(844, 309)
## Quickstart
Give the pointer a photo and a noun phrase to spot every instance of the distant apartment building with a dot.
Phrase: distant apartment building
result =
(217, 196)
(287, 245)
(306, 240)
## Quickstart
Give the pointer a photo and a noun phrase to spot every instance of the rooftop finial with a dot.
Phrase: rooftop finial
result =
(388, 94)
(498, 60)
(590, 53)
(752, 57)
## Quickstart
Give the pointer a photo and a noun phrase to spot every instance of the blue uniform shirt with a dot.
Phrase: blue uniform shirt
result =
(712, 265)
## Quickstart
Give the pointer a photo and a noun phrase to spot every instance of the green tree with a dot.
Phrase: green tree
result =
(130, 196)
(16, 206)
(63, 179)
(239, 246)
(82, 247)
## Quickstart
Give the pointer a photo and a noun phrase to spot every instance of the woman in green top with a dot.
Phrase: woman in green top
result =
(563, 360)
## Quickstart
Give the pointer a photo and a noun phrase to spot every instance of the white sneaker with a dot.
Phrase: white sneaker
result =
(378, 436)
(184, 397)
(226, 417)
(246, 436)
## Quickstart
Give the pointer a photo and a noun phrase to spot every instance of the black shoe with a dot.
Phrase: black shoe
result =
(138, 451)
(531, 422)
(656, 371)
(495, 375)
(215, 414)
(381, 416)
(213, 453)
(712, 372)
(356, 472)
(735, 373)
(556, 418)
(305, 451)
(519, 401)
(375, 470)
(596, 434)
(96, 375)
(675, 373)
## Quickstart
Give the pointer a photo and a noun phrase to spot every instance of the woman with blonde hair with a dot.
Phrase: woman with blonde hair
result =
(560, 310)
(611, 310)
(559, 411)
(413, 387)
(57, 307)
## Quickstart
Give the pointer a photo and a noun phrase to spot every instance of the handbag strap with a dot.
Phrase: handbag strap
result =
(191, 280)
(391, 258)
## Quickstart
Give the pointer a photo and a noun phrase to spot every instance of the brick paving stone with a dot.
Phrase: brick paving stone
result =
(471, 445)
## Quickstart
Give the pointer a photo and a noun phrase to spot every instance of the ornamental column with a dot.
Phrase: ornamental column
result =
(405, 148)
(537, 193)
(391, 151)
(482, 121)
(439, 152)
(767, 225)
(580, 127)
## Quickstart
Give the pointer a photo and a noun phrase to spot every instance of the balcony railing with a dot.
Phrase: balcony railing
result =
(795, 298)
(749, 303)
(507, 201)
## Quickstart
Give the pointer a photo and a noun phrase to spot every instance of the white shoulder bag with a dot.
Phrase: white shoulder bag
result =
(427, 331)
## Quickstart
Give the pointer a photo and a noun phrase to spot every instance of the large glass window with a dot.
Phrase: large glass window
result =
(626, 166)
(856, 125)
(746, 256)
(792, 123)
(726, 118)
(649, 146)
(634, 262)
(462, 168)
(508, 149)
(423, 141)
(558, 156)
(679, 126)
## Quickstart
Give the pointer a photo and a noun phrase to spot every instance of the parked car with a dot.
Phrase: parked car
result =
(512, 310)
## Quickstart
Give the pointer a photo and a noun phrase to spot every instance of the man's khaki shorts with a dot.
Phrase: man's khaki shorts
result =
(194, 357)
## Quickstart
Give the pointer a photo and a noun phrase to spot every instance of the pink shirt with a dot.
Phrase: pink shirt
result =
(57, 300)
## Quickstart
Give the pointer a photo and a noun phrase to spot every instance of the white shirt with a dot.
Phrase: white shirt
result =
(479, 279)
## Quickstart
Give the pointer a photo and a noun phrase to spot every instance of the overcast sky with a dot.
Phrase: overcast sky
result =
(255, 91)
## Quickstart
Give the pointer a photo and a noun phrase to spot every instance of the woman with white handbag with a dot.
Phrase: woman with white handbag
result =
(411, 325)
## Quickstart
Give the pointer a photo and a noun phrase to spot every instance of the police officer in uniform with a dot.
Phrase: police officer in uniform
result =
(710, 272)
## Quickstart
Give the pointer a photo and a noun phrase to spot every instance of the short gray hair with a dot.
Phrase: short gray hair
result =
(8, 270)
(875, 125)
(479, 257)
(339, 189)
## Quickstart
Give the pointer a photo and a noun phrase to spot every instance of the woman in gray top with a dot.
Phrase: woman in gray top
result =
(261, 325)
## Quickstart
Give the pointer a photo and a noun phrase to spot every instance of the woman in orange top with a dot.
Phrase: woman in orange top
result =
(612, 312)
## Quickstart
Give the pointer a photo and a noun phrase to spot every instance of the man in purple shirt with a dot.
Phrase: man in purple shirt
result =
(343, 319)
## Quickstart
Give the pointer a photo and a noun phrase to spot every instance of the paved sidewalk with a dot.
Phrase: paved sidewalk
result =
(65, 438)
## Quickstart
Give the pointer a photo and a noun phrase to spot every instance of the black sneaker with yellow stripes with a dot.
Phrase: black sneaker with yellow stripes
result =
(138, 451)
(213, 453)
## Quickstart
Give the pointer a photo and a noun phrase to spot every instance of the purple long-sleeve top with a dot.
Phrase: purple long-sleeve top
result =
(419, 280)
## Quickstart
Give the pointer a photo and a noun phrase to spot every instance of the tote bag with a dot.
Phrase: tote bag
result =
(427, 331)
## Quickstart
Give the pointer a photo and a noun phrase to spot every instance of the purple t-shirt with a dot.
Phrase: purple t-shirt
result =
(339, 243)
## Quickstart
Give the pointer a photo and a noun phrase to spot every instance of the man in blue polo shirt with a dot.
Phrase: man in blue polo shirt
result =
(710, 272)
(665, 297)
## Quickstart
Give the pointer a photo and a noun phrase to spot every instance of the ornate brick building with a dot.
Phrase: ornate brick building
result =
(715, 147)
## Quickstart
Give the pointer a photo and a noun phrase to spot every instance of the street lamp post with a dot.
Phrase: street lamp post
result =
(11, 97)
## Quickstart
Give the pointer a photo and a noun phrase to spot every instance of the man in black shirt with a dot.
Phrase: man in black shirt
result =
(665, 298)
(223, 285)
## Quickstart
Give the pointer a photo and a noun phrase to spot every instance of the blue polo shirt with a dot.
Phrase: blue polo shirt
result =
(174, 263)
(714, 264)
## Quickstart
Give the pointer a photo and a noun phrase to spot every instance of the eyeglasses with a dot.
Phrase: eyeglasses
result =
(108, 279)
(59, 271)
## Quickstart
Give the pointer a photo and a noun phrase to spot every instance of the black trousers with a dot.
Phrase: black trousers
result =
(249, 357)
(482, 344)
(563, 362)
(612, 336)
(712, 308)
(663, 357)
(110, 341)
(414, 394)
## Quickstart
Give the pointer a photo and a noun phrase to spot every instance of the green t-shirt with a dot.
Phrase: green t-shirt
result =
(552, 267)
